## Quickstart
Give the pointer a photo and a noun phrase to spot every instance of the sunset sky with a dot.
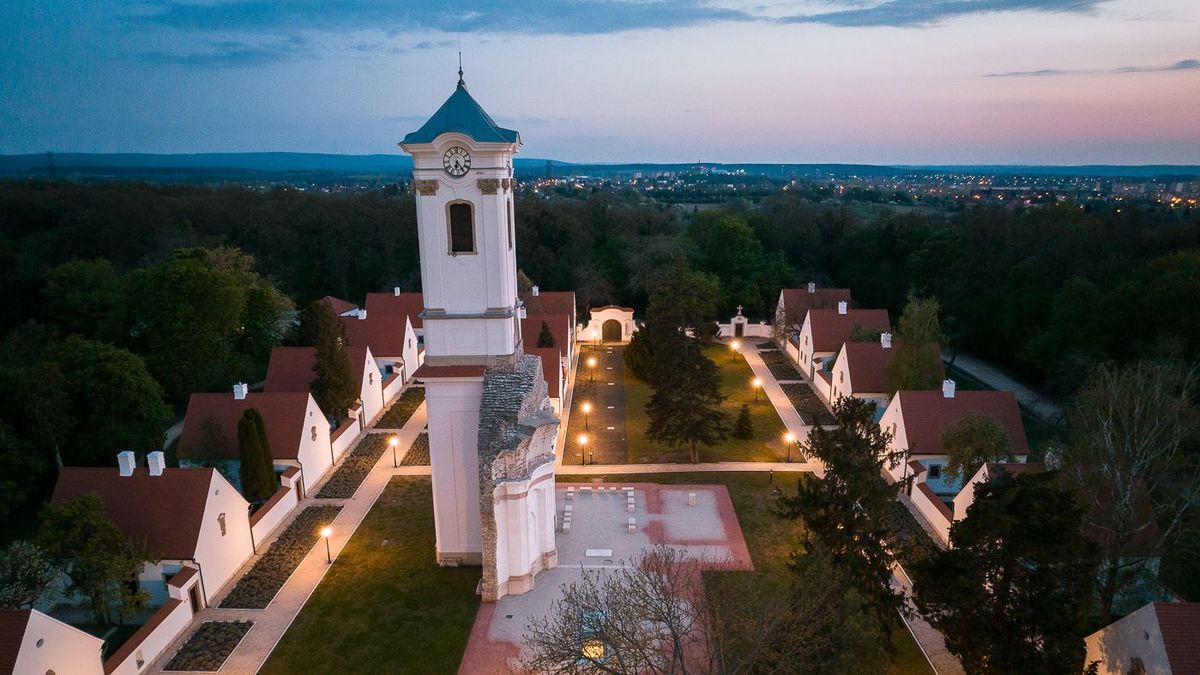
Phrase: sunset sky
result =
(874, 81)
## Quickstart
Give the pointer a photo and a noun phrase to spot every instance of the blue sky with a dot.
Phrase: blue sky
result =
(879, 81)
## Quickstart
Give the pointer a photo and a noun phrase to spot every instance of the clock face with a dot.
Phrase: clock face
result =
(456, 161)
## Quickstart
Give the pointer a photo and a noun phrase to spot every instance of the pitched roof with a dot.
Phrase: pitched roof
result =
(283, 414)
(390, 304)
(12, 632)
(550, 367)
(1179, 623)
(831, 329)
(560, 328)
(384, 335)
(461, 113)
(291, 369)
(338, 305)
(928, 413)
(166, 511)
(797, 301)
(550, 302)
(867, 363)
(1014, 468)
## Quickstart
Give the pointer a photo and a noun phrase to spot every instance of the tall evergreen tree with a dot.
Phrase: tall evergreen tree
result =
(257, 470)
(917, 364)
(744, 426)
(334, 388)
(685, 408)
(846, 511)
(1013, 595)
(546, 337)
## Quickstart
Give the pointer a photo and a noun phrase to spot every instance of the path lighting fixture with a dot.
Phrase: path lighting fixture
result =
(394, 442)
(587, 408)
(592, 365)
(789, 438)
(583, 441)
(736, 345)
(757, 384)
(325, 532)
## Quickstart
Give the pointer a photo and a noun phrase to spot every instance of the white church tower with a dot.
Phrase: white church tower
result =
(491, 439)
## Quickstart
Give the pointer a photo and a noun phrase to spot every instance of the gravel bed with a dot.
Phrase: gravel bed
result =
(345, 481)
(209, 646)
(263, 581)
(418, 454)
(397, 415)
(808, 404)
(767, 345)
(780, 365)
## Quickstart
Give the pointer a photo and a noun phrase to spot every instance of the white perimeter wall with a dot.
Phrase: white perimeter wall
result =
(453, 408)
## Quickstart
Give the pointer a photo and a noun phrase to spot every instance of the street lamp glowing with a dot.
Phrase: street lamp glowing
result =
(592, 368)
(790, 438)
(757, 384)
(394, 441)
(325, 532)
(583, 439)
(587, 408)
(736, 345)
(591, 362)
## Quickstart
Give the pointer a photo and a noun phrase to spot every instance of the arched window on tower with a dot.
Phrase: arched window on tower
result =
(462, 228)
(510, 224)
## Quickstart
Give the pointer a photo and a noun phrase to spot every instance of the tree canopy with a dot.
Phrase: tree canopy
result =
(971, 442)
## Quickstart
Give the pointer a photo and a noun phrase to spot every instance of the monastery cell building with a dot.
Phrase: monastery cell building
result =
(492, 427)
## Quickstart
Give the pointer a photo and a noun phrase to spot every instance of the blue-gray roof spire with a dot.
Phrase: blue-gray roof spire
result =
(461, 113)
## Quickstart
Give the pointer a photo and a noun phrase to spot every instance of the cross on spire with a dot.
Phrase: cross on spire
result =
(460, 73)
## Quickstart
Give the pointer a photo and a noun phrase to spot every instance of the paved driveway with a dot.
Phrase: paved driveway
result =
(604, 388)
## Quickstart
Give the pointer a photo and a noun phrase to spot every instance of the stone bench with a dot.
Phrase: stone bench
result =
(631, 525)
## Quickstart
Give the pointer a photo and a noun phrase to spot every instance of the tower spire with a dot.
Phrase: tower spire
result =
(460, 73)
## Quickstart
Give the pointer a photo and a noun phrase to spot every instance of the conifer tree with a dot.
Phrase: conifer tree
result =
(256, 470)
(334, 389)
(743, 427)
(685, 408)
(545, 337)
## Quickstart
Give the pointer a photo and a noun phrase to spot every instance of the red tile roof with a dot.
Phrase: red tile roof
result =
(12, 632)
(291, 368)
(831, 329)
(390, 304)
(427, 371)
(338, 305)
(928, 413)
(560, 328)
(868, 362)
(166, 511)
(383, 334)
(1014, 468)
(797, 301)
(550, 302)
(283, 414)
(551, 367)
(1179, 623)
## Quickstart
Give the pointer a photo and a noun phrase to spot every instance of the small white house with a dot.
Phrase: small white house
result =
(188, 516)
(292, 370)
(393, 340)
(860, 370)
(916, 420)
(1158, 639)
(34, 643)
(794, 304)
(297, 431)
(941, 513)
(825, 331)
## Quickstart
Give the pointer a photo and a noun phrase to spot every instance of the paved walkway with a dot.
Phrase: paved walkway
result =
(1043, 408)
(783, 405)
(604, 388)
(928, 638)
(271, 623)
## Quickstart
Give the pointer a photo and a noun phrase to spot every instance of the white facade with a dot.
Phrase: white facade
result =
(51, 646)
(370, 387)
(315, 453)
(1135, 636)
(452, 404)
(616, 318)
(524, 512)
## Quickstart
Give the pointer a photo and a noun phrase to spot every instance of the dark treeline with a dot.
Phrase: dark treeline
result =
(1045, 291)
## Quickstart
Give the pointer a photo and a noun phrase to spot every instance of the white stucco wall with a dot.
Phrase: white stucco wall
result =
(453, 409)
(51, 645)
(370, 387)
(594, 329)
(1135, 635)
(314, 454)
(524, 512)
(893, 421)
(221, 555)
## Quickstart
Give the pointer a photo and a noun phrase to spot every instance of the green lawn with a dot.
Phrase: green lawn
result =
(385, 606)
(770, 539)
(767, 445)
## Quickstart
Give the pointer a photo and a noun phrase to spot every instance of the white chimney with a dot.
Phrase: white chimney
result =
(157, 461)
(948, 388)
(885, 339)
(812, 287)
(534, 290)
(524, 313)
(362, 314)
(240, 390)
(126, 461)
(396, 291)
(842, 306)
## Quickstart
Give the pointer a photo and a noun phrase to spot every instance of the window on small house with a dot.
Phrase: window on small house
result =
(462, 228)
(935, 471)
(314, 433)
(221, 522)
(370, 378)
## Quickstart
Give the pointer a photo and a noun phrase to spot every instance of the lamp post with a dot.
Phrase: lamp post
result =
(595, 337)
(583, 440)
(325, 532)
(789, 438)
(736, 346)
(587, 408)
(592, 369)
(757, 384)
(394, 441)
